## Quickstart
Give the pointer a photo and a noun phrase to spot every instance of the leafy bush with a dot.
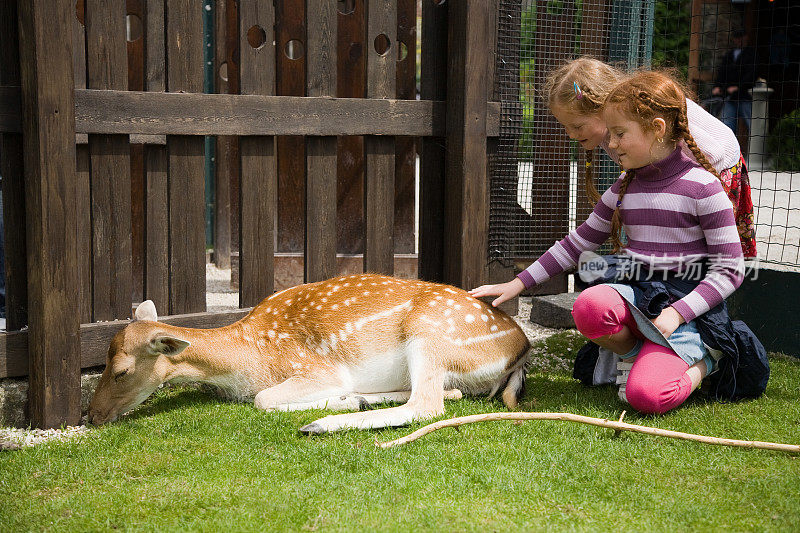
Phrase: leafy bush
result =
(783, 143)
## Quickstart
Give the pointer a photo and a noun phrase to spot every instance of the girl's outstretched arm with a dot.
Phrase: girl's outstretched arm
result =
(504, 291)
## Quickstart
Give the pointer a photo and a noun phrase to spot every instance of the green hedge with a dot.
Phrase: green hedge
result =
(783, 143)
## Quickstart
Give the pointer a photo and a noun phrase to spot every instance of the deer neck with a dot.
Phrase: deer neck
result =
(214, 354)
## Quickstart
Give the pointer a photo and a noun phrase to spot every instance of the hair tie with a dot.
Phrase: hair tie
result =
(577, 89)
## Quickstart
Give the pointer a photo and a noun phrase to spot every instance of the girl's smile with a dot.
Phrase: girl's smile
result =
(588, 130)
(636, 146)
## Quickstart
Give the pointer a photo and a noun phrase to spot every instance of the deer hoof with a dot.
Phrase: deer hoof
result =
(313, 429)
(363, 404)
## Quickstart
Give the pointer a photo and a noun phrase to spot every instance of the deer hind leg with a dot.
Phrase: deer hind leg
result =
(426, 399)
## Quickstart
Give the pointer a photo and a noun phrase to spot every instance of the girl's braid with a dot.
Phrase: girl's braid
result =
(616, 218)
(682, 124)
(591, 190)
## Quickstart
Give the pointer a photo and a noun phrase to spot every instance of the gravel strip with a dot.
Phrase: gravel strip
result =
(15, 439)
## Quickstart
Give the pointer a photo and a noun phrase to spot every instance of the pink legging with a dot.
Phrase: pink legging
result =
(658, 381)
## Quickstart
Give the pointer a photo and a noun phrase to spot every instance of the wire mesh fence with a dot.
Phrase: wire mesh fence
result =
(740, 60)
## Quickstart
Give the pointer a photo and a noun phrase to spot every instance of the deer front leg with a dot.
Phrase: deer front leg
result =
(359, 402)
(300, 390)
(426, 400)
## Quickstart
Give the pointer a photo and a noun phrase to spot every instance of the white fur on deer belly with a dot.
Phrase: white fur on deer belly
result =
(386, 372)
(479, 381)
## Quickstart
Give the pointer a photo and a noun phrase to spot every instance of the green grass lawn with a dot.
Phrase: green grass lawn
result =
(187, 461)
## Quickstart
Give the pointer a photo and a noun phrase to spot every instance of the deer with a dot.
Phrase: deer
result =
(344, 344)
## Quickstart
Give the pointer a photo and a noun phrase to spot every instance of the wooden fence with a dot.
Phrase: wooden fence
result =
(103, 168)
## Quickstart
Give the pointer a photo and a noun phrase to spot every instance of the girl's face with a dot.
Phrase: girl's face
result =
(635, 146)
(588, 130)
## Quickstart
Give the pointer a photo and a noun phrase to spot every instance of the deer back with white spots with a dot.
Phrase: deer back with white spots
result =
(343, 344)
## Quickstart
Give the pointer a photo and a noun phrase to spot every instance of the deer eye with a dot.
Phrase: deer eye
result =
(120, 375)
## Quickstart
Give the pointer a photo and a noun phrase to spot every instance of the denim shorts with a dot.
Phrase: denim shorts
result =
(684, 341)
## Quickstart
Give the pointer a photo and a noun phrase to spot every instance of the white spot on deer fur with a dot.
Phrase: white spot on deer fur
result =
(457, 306)
(485, 318)
(451, 291)
(366, 293)
(296, 365)
(450, 301)
(271, 334)
(476, 305)
(469, 319)
(432, 303)
(319, 308)
(490, 336)
(493, 328)
(335, 306)
(448, 312)
(348, 327)
(283, 335)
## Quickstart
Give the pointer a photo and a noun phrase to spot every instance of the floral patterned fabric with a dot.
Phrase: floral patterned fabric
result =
(736, 183)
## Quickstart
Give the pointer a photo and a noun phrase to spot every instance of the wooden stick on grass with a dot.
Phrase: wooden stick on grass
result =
(602, 422)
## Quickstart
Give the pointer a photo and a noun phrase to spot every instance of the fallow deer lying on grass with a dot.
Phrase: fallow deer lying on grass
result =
(335, 344)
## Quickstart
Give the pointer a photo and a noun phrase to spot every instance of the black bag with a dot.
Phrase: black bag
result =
(744, 370)
(585, 362)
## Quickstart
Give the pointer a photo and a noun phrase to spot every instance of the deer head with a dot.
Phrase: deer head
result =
(138, 362)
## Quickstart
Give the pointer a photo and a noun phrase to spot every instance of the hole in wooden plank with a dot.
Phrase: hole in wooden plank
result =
(256, 36)
(80, 10)
(223, 71)
(294, 49)
(346, 7)
(382, 44)
(402, 50)
(133, 28)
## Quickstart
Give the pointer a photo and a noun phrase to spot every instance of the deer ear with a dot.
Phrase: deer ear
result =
(146, 311)
(167, 345)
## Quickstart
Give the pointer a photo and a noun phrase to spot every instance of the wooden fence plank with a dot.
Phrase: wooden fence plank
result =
(405, 164)
(320, 234)
(187, 236)
(154, 114)
(258, 198)
(466, 212)
(107, 63)
(49, 148)
(136, 18)
(225, 163)
(156, 239)
(351, 82)
(95, 338)
(291, 81)
(83, 187)
(379, 151)
(11, 170)
(433, 86)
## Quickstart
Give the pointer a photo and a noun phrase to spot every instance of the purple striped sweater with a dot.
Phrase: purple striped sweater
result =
(674, 212)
